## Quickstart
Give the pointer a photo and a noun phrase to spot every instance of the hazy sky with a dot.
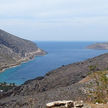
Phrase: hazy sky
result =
(65, 20)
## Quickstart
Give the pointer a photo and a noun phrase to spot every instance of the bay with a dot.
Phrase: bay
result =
(59, 53)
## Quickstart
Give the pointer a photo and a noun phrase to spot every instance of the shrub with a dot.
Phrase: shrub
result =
(98, 87)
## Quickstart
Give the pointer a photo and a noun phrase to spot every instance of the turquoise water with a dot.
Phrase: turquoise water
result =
(59, 53)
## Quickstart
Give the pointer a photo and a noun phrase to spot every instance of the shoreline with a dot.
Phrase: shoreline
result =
(26, 59)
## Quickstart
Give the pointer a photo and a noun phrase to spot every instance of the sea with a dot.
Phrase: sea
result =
(58, 54)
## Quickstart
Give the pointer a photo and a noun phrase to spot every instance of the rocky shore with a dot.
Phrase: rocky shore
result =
(29, 57)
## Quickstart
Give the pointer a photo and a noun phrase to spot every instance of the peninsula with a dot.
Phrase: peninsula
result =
(15, 50)
(99, 46)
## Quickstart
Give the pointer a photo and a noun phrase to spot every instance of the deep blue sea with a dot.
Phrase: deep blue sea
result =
(59, 53)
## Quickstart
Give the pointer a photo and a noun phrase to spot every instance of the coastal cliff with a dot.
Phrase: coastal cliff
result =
(15, 50)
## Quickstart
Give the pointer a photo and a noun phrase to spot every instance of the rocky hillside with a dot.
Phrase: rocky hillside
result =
(14, 50)
(101, 46)
(60, 84)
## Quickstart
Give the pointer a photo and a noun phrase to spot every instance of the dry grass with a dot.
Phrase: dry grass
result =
(99, 106)
(86, 79)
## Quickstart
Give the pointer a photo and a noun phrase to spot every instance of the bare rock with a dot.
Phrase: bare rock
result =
(61, 104)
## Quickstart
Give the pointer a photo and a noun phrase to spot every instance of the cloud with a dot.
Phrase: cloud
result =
(52, 8)
(34, 16)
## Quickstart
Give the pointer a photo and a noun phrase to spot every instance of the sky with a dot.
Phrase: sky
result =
(55, 20)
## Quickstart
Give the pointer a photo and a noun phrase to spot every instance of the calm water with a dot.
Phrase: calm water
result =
(59, 53)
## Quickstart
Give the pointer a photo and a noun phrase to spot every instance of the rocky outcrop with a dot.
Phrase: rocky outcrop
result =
(14, 50)
(74, 104)
(60, 104)
(67, 104)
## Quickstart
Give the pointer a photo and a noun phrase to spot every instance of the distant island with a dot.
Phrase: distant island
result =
(100, 46)
(15, 50)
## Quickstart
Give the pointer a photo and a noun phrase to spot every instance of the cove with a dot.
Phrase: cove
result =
(59, 53)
